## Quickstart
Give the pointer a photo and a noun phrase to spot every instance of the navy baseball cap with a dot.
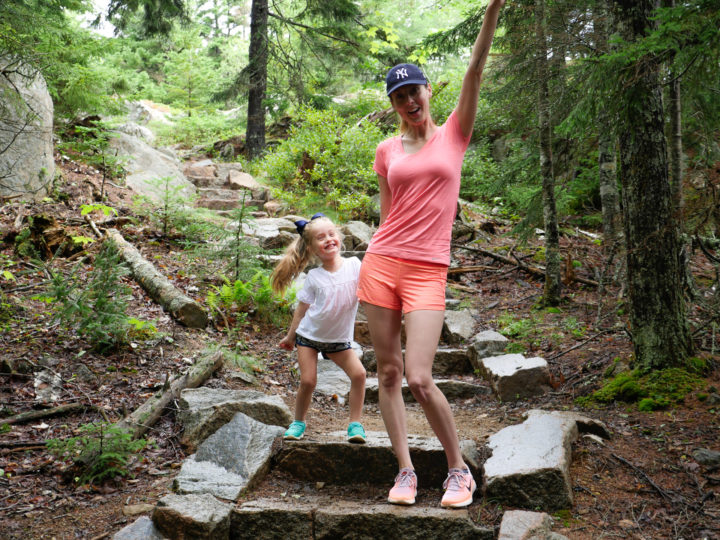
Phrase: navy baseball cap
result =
(403, 74)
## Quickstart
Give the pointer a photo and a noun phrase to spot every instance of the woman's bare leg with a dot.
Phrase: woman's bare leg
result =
(423, 328)
(384, 325)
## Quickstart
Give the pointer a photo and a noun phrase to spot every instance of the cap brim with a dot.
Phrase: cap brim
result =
(405, 83)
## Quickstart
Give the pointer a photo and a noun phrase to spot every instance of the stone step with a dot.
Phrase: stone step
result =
(270, 518)
(331, 459)
(448, 361)
(452, 389)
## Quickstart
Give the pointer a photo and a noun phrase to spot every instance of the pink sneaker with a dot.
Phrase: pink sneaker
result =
(459, 488)
(405, 488)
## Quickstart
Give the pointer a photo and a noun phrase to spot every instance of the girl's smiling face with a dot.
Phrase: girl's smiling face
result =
(325, 239)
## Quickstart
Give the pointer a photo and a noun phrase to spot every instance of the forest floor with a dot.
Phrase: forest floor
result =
(642, 483)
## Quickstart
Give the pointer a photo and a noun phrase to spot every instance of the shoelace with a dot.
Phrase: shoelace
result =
(455, 481)
(404, 479)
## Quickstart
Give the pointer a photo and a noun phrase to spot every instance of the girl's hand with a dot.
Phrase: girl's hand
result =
(287, 343)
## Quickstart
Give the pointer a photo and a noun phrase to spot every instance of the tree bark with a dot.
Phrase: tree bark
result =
(607, 158)
(659, 327)
(551, 294)
(142, 419)
(31, 416)
(181, 307)
(255, 132)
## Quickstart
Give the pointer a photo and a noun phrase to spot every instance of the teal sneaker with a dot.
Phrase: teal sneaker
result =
(296, 431)
(356, 433)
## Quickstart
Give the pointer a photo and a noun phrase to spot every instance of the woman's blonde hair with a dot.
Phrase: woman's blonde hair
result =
(297, 256)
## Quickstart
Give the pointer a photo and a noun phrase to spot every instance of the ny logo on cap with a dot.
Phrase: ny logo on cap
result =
(401, 73)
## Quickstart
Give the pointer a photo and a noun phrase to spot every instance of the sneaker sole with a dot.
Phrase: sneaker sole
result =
(462, 504)
(402, 502)
(356, 439)
(292, 437)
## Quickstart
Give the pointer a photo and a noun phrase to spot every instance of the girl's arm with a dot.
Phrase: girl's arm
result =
(467, 103)
(288, 342)
(385, 198)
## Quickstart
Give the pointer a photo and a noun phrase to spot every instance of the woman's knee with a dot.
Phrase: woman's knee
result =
(421, 388)
(390, 373)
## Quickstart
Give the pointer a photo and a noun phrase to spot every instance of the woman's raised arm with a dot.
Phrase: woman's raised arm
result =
(467, 103)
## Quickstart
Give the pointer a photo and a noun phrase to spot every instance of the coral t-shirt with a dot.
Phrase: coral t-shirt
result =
(425, 187)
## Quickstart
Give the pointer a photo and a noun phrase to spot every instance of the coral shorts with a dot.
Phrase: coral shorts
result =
(401, 284)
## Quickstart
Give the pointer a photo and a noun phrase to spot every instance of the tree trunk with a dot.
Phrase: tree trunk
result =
(659, 327)
(180, 306)
(607, 159)
(142, 418)
(551, 295)
(257, 72)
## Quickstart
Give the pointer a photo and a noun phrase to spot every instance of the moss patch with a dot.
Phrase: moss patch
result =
(651, 391)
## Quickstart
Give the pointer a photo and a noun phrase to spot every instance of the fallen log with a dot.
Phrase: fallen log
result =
(539, 272)
(31, 416)
(180, 306)
(142, 418)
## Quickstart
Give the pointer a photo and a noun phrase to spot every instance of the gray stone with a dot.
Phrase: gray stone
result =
(142, 528)
(192, 516)
(203, 410)
(448, 361)
(27, 165)
(231, 460)
(387, 522)
(530, 462)
(357, 235)
(331, 379)
(147, 167)
(451, 388)
(330, 458)
(141, 132)
(707, 458)
(459, 326)
(523, 525)
(485, 344)
(270, 519)
(513, 377)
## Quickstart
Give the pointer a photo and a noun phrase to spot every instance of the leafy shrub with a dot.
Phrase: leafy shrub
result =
(201, 129)
(328, 159)
(100, 452)
(254, 298)
(97, 308)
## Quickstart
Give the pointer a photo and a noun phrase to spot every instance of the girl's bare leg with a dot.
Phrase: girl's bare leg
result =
(307, 359)
(351, 365)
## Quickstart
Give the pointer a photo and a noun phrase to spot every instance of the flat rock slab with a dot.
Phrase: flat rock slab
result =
(335, 461)
(451, 388)
(448, 361)
(142, 528)
(485, 344)
(524, 525)
(204, 410)
(530, 462)
(513, 377)
(192, 516)
(231, 460)
(270, 519)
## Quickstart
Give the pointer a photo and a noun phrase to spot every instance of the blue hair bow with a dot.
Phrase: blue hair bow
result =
(300, 223)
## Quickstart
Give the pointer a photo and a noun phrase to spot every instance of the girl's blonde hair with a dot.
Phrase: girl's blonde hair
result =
(297, 256)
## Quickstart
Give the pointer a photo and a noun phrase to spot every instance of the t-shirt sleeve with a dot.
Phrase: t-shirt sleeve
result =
(381, 166)
(454, 133)
(309, 290)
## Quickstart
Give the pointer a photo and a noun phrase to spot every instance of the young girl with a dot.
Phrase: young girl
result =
(324, 319)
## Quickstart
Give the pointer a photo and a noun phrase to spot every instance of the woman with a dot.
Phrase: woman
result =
(404, 270)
